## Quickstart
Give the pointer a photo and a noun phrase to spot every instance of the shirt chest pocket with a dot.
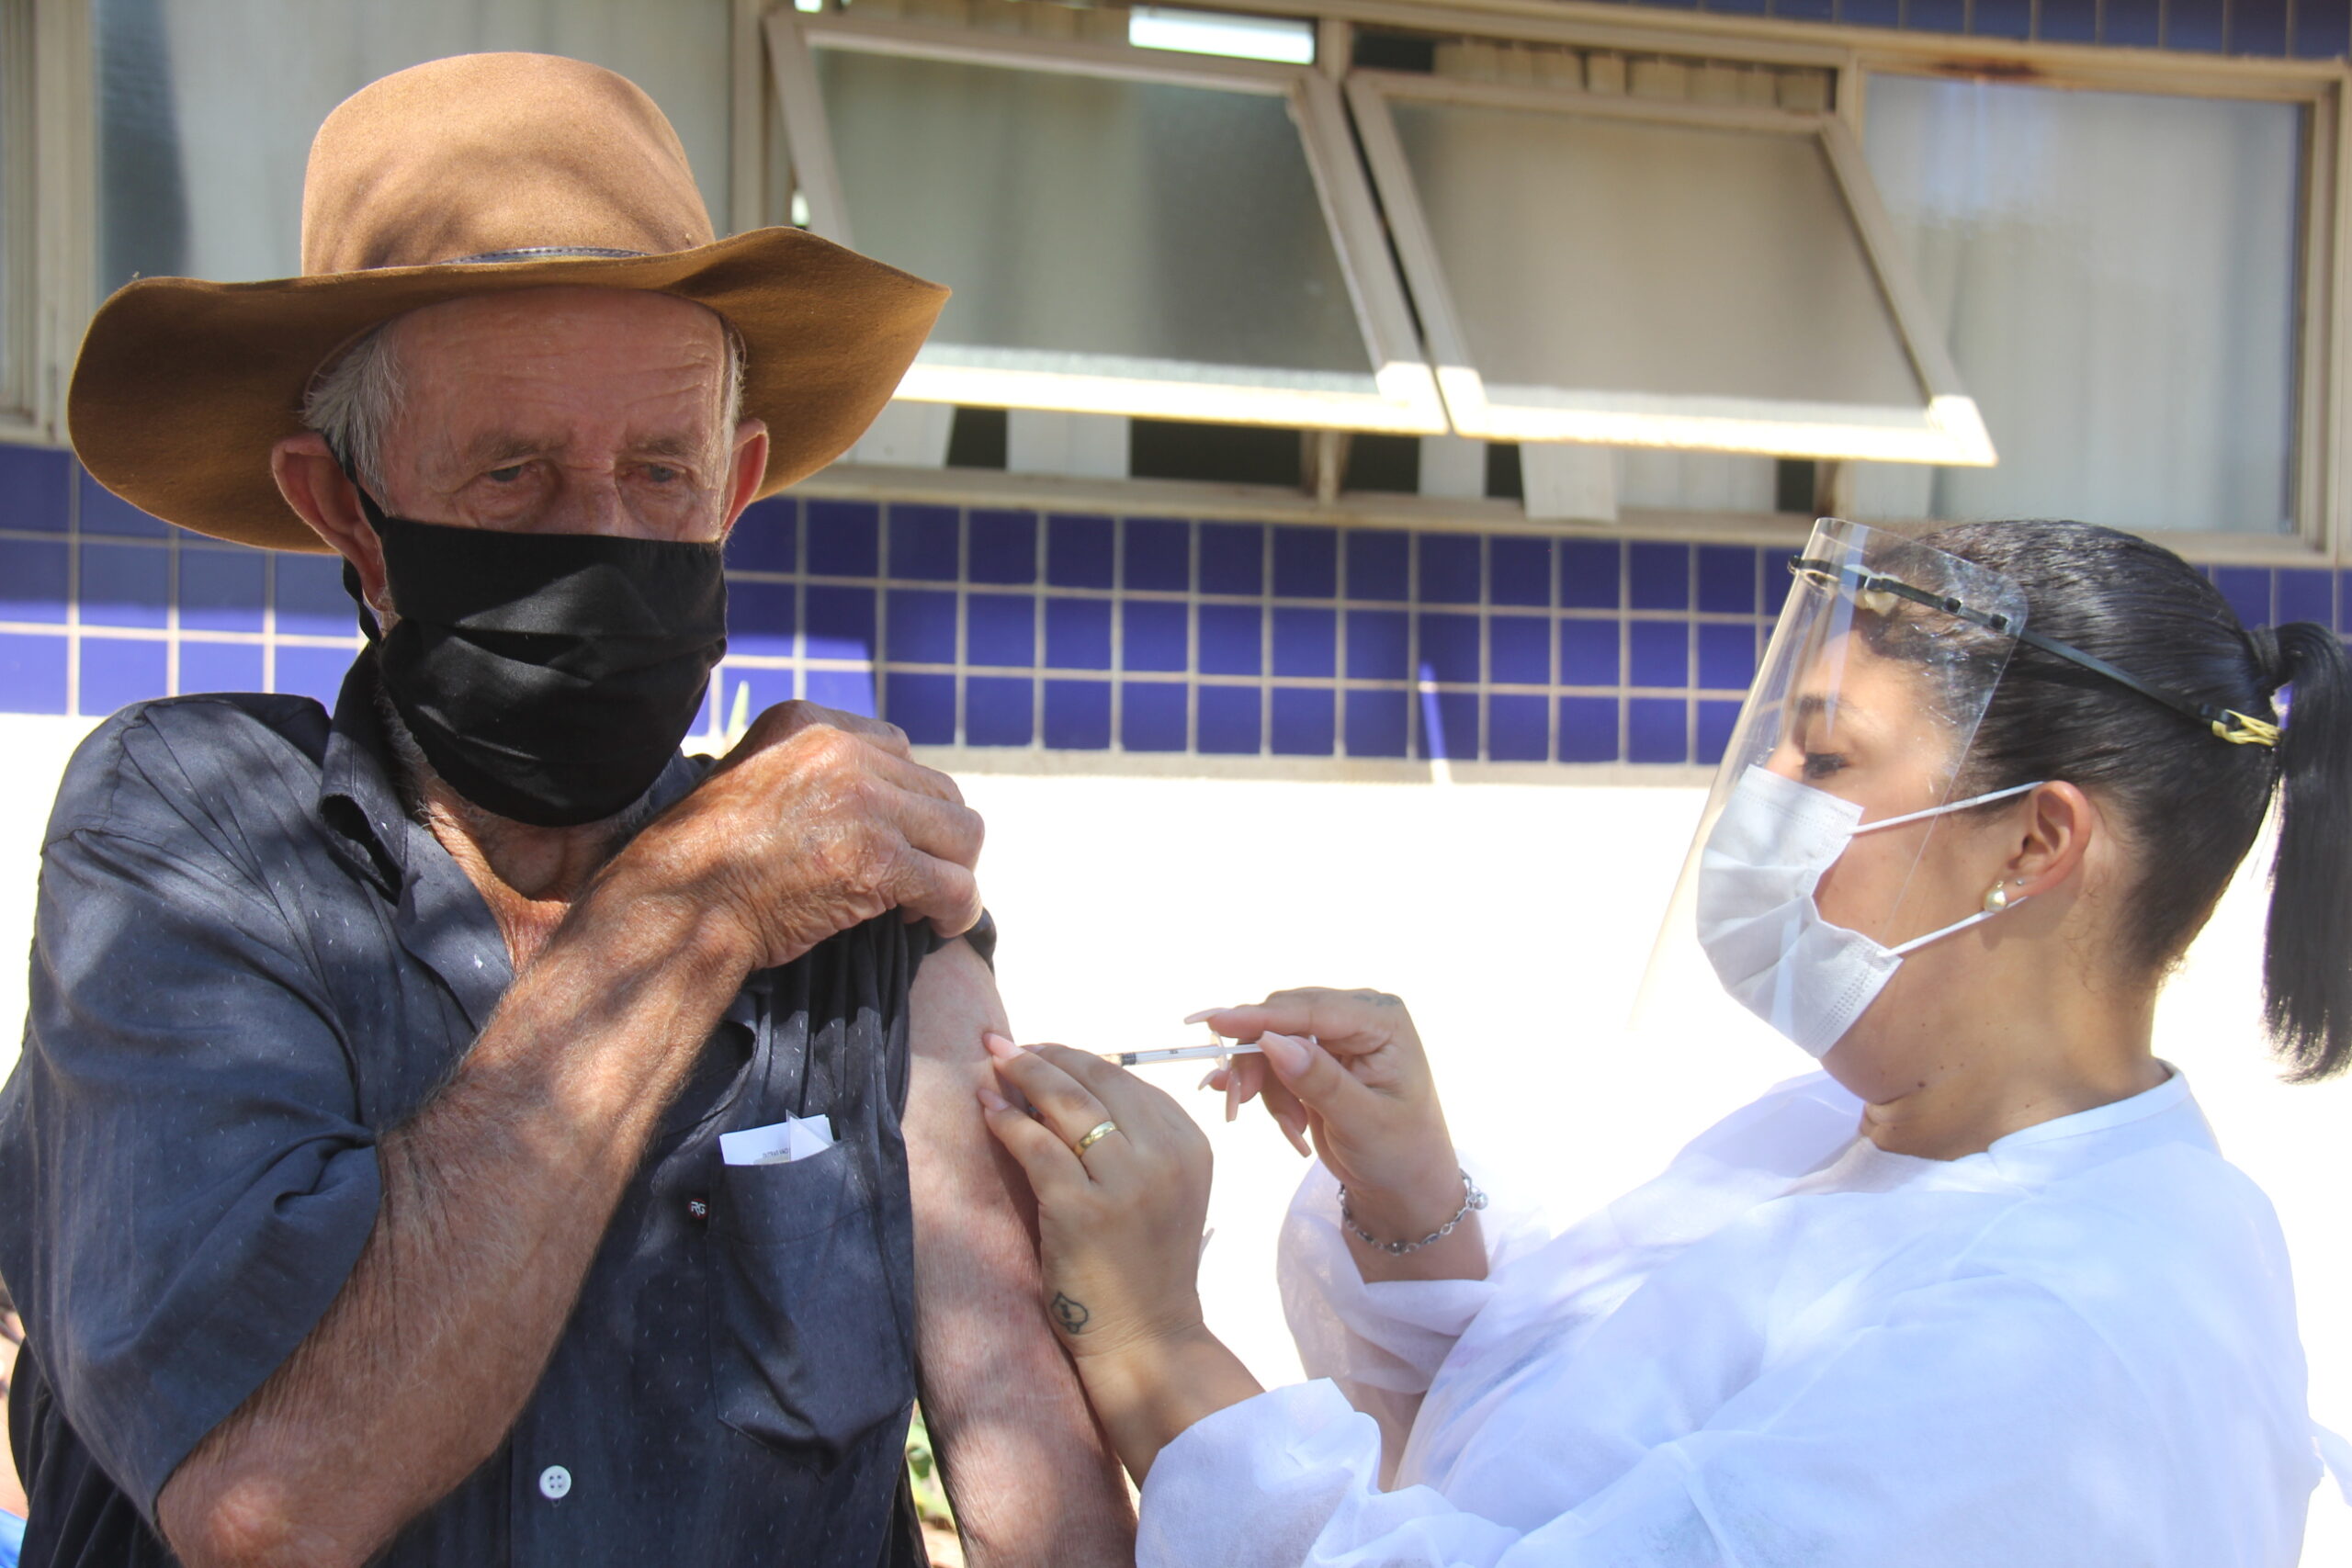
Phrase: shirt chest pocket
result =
(806, 1351)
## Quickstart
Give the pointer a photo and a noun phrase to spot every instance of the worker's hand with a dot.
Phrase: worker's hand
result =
(817, 821)
(1119, 1225)
(1346, 1070)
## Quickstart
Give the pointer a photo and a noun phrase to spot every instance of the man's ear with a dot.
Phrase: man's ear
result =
(747, 466)
(2062, 823)
(316, 486)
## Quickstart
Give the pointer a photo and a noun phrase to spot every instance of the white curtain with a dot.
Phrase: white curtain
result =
(2117, 276)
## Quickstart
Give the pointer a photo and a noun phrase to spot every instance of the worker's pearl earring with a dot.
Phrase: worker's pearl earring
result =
(1997, 898)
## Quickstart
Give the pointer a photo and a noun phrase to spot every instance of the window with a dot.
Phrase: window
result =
(1678, 274)
(2117, 276)
(1656, 274)
(207, 108)
(1128, 232)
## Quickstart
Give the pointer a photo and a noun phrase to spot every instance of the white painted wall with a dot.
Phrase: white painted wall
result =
(1514, 917)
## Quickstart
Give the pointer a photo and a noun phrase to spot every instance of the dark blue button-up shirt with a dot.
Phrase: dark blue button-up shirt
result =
(249, 961)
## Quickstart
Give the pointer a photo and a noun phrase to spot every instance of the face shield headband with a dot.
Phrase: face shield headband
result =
(1874, 591)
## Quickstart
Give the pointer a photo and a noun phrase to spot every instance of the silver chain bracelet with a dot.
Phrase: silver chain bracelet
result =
(1472, 1201)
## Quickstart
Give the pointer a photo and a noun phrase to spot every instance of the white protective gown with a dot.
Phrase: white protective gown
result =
(2077, 1347)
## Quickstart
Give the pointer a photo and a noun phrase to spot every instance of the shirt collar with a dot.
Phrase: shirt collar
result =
(2168, 1113)
(2115, 1113)
(357, 797)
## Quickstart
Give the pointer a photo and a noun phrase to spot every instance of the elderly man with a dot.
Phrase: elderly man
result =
(465, 1131)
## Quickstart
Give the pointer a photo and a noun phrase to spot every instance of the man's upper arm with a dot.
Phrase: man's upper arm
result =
(184, 1127)
(1031, 1477)
(954, 998)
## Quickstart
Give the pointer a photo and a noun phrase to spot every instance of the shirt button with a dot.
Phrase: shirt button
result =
(555, 1481)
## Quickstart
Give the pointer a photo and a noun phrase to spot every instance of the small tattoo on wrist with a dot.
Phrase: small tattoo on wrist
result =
(1072, 1315)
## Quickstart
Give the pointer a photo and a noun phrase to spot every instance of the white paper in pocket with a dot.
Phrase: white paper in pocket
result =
(778, 1143)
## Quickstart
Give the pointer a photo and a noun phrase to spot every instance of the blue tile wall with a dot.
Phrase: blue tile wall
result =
(1005, 628)
(2312, 29)
(101, 604)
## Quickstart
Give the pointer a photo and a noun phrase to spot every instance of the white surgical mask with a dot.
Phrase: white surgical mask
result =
(1760, 926)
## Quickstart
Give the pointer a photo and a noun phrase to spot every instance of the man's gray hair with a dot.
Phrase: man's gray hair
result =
(352, 400)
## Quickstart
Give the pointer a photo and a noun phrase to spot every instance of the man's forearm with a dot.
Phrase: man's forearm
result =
(1032, 1477)
(494, 1199)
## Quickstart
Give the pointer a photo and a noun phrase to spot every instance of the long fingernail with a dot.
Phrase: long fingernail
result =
(1209, 1077)
(1204, 1015)
(1297, 1137)
(993, 1101)
(1288, 1056)
(999, 1044)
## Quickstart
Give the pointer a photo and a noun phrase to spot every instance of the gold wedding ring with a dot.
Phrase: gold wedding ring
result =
(1096, 1135)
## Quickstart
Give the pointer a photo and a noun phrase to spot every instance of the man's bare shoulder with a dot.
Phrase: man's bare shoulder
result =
(955, 996)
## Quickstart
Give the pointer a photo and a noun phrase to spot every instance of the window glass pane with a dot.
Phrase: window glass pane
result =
(2117, 275)
(207, 108)
(1157, 223)
(1597, 255)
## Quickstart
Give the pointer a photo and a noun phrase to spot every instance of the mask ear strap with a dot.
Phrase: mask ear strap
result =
(1977, 918)
(1953, 806)
(369, 509)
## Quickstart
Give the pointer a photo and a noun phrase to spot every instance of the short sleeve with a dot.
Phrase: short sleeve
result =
(184, 1129)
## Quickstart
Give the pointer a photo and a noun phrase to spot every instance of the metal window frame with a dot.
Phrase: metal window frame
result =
(1951, 430)
(1405, 400)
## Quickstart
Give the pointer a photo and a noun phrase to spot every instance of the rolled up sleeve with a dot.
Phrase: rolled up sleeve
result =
(186, 1127)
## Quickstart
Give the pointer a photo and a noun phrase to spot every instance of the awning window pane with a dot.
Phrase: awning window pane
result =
(1655, 275)
(2117, 275)
(1673, 260)
(206, 109)
(1126, 231)
(1087, 216)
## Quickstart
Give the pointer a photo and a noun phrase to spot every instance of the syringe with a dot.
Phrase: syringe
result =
(1181, 1054)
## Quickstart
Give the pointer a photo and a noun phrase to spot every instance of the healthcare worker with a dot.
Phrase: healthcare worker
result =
(1981, 1291)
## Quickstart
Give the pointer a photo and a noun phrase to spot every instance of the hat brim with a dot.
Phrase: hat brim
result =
(183, 386)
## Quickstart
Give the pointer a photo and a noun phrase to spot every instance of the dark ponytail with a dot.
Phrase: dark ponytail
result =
(2189, 801)
(2307, 953)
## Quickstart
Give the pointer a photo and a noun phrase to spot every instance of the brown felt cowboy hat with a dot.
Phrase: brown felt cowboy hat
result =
(468, 175)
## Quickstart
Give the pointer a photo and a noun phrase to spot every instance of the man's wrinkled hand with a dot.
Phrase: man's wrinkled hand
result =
(817, 821)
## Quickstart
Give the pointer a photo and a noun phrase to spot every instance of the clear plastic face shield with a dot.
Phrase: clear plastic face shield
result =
(1816, 868)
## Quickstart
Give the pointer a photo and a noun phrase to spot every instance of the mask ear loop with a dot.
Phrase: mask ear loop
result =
(1981, 916)
(1953, 806)
(1978, 918)
(372, 511)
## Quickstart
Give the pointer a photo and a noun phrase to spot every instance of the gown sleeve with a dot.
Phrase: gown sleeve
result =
(1380, 1344)
(1980, 1420)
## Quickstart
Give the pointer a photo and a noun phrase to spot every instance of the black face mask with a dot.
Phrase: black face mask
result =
(547, 677)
